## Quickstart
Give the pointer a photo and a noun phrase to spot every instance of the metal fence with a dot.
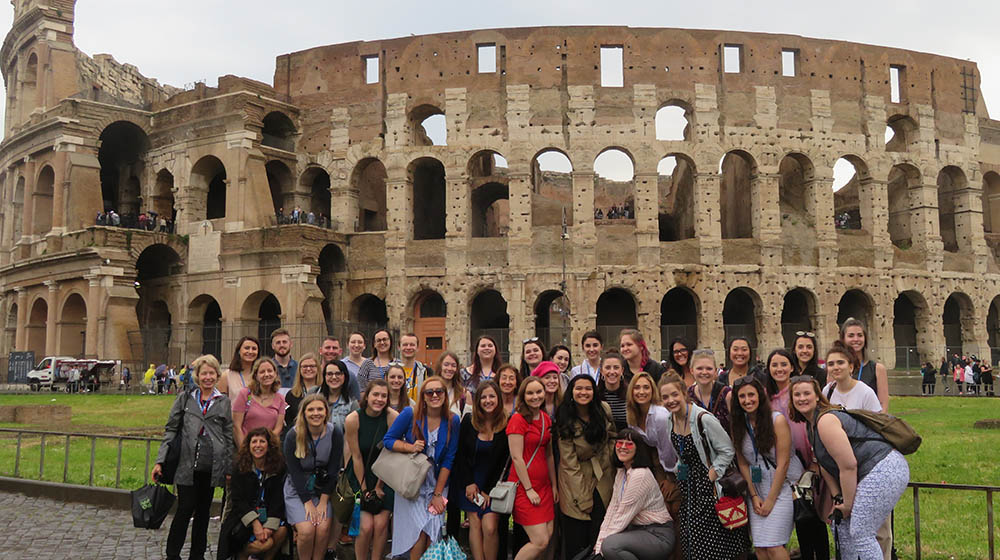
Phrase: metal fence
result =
(989, 490)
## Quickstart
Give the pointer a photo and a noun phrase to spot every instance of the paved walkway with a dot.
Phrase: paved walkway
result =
(42, 529)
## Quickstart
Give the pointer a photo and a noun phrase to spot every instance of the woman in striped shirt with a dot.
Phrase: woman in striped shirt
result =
(637, 524)
(612, 388)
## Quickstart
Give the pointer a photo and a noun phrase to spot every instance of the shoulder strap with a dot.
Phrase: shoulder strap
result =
(829, 392)
(539, 446)
(704, 440)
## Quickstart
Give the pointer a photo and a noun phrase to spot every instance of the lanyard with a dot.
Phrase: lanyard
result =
(680, 452)
(753, 439)
(260, 482)
(860, 369)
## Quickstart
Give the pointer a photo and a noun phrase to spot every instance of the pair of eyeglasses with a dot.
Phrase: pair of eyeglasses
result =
(532, 339)
(624, 444)
(681, 351)
(335, 373)
(805, 333)
(434, 392)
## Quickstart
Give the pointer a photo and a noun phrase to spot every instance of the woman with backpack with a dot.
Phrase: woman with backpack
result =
(864, 472)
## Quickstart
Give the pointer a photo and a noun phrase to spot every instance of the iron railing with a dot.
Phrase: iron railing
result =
(989, 490)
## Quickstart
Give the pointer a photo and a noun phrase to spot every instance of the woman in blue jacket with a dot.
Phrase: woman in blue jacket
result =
(431, 428)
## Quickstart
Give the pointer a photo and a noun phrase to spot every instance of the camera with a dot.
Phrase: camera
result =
(322, 476)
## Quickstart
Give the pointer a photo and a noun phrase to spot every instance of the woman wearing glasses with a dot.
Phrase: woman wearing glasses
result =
(307, 382)
(428, 428)
(854, 335)
(637, 524)
(334, 390)
(377, 367)
(807, 355)
(532, 354)
(767, 461)
(680, 359)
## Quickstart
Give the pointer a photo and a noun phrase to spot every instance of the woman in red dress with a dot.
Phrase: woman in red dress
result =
(529, 433)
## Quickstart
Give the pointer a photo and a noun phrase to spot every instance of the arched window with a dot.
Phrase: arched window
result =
(738, 171)
(672, 123)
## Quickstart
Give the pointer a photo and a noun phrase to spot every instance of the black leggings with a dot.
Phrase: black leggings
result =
(578, 534)
(196, 500)
(814, 539)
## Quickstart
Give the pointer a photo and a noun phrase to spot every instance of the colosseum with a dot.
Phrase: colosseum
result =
(323, 202)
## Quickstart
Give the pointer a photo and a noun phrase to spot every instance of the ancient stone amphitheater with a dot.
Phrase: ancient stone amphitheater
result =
(454, 185)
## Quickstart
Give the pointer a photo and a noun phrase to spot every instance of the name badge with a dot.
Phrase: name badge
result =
(682, 472)
(262, 514)
(755, 475)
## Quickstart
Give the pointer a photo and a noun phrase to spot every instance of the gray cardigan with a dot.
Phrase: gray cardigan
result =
(720, 445)
(218, 424)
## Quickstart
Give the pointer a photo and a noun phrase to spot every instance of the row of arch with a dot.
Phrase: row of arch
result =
(70, 325)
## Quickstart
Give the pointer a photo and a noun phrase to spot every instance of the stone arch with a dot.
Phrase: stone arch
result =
(163, 195)
(263, 308)
(991, 202)
(798, 313)
(369, 310)
(490, 210)
(741, 316)
(553, 318)
(857, 304)
(430, 317)
(614, 184)
(38, 313)
(959, 323)
(910, 322)
(280, 184)
(316, 181)
(72, 326)
(851, 186)
(41, 214)
(551, 188)
(204, 314)
(617, 309)
(902, 178)
(673, 121)
(208, 180)
(418, 119)
(122, 154)
(901, 132)
(737, 184)
(278, 131)
(796, 195)
(368, 181)
(488, 315)
(680, 311)
(951, 184)
(676, 175)
(428, 198)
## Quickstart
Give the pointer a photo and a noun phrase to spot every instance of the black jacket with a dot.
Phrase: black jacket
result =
(462, 473)
(244, 489)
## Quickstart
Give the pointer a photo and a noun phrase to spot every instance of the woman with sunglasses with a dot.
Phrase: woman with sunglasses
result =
(395, 377)
(680, 359)
(866, 475)
(529, 434)
(704, 453)
(485, 363)
(807, 355)
(708, 392)
(854, 335)
(612, 389)
(363, 431)
(532, 354)
(482, 458)
(306, 382)
(378, 365)
(767, 461)
(432, 429)
(593, 347)
(632, 346)
(637, 524)
(584, 473)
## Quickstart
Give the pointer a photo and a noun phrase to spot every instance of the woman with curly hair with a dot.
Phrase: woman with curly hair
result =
(256, 524)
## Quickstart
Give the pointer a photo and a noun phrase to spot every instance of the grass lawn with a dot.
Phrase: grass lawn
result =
(953, 523)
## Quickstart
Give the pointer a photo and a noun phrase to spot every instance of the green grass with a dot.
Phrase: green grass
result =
(953, 523)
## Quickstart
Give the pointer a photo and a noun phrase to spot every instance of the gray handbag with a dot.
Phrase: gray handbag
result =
(502, 495)
(403, 472)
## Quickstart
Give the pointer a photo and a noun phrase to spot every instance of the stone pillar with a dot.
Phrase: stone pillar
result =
(873, 199)
(51, 320)
(648, 316)
(520, 312)
(21, 334)
(27, 223)
(519, 196)
(647, 226)
(925, 228)
(93, 312)
(458, 229)
(344, 213)
(60, 188)
(711, 331)
(399, 202)
(969, 221)
(820, 206)
(708, 228)
(768, 315)
(584, 232)
(884, 343)
(767, 216)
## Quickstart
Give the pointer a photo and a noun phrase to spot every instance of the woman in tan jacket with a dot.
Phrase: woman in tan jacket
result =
(585, 472)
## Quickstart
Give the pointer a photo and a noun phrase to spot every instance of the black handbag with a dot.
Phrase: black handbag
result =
(732, 481)
(150, 506)
(168, 469)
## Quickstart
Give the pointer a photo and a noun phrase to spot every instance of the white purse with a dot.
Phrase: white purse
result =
(502, 495)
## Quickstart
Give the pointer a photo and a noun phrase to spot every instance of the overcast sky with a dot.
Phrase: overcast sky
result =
(183, 41)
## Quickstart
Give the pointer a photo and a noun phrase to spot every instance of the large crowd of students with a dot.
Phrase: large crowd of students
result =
(619, 456)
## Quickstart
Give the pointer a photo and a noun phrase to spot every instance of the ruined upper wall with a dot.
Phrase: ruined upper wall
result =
(672, 60)
(102, 78)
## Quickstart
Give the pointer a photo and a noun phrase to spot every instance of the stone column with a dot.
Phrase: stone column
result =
(584, 232)
(458, 230)
(519, 194)
(28, 223)
(93, 313)
(51, 320)
(520, 312)
(769, 314)
(60, 188)
(647, 225)
(21, 334)
(969, 221)
(708, 227)
(711, 331)
(820, 206)
(399, 218)
(924, 226)
(767, 216)
(873, 201)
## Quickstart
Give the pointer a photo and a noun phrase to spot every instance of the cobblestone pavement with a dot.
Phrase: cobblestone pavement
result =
(42, 529)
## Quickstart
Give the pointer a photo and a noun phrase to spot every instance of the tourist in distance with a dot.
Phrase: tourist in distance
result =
(584, 429)
(415, 371)
(680, 359)
(363, 431)
(378, 366)
(395, 377)
(632, 347)
(485, 363)
(529, 434)
(708, 392)
(855, 336)
(482, 458)
(355, 359)
(943, 370)
(561, 356)
(548, 372)
(428, 428)
(281, 345)
(313, 450)
(740, 359)
(306, 382)
(532, 354)
(844, 389)
(637, 525)
(259, 405)
(767, 461)
(865, 474)
(651, 420)
(928, 376)
(509, 380)
(203, 421)
(256, 524)
(593, 347)
(612, 389)
(237, 376)
(807, 356)
(702, 535)
(447, 369)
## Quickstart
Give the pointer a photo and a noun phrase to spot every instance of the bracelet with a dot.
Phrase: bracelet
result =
(526, 490)
(437, 494)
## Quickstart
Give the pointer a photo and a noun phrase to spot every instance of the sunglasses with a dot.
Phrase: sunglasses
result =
(805, 333)
(532, 339)
(745, 380)
(434, 392)
(624, 444)
(395, 363)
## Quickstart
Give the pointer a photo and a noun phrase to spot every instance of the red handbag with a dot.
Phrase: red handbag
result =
(732, 512)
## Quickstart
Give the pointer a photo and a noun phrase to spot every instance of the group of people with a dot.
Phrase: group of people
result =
(299, 216)
(617, 456)
(971, 375)
(149, 221)
(162, 379)
(623, 211)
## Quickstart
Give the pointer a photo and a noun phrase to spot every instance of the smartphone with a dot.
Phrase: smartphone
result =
(479, 500)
